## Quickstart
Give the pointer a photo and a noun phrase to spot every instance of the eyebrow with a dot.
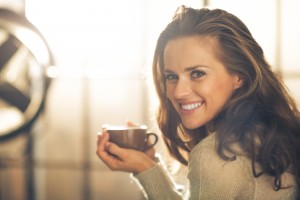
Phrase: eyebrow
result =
(188, 69)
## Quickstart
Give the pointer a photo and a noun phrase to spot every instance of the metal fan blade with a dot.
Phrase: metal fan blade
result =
(7, 50)
(14, 96)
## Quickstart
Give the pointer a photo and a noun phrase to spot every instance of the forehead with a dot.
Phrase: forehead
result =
(190, 51)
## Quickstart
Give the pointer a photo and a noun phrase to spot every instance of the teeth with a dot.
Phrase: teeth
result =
(191, 106)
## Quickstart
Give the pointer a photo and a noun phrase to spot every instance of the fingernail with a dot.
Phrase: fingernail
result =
(104, 126)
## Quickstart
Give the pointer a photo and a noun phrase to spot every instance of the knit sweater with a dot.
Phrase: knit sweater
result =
(212, 178)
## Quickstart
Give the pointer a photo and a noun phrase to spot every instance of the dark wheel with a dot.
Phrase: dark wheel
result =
(24, 59)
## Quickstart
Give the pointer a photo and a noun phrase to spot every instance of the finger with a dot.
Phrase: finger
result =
(110, 156)
(116, 150)
(131, 123)
(111, 161)
(103, 138)
(151, 153)
(104, 127)
(103, 153)
(100, 136)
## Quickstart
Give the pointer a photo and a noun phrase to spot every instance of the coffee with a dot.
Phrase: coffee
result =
(131, 137)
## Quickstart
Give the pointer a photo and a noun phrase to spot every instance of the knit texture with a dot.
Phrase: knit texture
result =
(212, 178)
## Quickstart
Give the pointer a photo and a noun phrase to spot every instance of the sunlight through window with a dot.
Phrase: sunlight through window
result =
(101, 38)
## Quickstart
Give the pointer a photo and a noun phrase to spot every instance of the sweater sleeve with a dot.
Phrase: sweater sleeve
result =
(157, 184)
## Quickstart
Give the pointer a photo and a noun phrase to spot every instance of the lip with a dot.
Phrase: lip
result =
(190, 107)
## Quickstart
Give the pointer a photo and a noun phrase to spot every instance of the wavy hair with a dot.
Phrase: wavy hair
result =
(261, 116)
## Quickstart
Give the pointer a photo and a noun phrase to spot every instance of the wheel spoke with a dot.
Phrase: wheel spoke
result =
(14, 96)
(7, 50)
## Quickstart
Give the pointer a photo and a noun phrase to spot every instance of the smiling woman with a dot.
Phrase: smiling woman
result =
(221, 104)
(197, 83)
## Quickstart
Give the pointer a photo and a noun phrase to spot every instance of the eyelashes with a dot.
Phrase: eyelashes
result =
(195, 74)
(170, 76)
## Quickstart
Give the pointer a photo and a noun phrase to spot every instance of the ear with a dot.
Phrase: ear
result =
(238, 82)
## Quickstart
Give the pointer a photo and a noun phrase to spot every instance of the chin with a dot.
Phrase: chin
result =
(191, 126)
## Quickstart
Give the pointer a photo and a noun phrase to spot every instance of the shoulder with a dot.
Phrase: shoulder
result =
(232, 178)
(208, 141)
(216, 175)
(205, 156)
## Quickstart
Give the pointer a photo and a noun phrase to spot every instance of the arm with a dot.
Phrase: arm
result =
(157, 183)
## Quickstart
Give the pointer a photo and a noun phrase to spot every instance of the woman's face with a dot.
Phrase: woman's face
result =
(197, 83)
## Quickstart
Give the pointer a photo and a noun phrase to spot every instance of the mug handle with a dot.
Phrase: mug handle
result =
(148, 135)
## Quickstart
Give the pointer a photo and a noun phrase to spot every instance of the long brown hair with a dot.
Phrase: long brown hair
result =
(261, 116)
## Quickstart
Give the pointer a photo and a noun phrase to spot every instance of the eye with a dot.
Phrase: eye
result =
(197, 74)
(170, 77)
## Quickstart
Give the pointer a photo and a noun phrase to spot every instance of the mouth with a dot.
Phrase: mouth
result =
(191, 106)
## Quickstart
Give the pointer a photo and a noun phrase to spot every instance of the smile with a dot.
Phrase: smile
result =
(191, 106)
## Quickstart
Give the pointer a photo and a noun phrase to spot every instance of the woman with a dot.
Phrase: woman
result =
(220, 103)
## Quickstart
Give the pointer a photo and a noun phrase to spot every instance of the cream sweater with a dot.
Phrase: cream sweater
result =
(212, 178)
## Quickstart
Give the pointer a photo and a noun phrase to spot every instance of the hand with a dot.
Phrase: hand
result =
(121, 159)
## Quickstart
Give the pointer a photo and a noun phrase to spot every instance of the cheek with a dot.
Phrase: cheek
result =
(218, 92)
(170, 95)
(223, 92)
(210, 88)
(169, 91)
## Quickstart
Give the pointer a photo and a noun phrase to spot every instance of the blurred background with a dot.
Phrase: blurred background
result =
(67, 67)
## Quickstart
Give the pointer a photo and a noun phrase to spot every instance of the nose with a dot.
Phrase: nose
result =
(182, 89)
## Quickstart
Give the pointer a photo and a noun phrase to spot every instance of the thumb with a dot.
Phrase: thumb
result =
(131, 123)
